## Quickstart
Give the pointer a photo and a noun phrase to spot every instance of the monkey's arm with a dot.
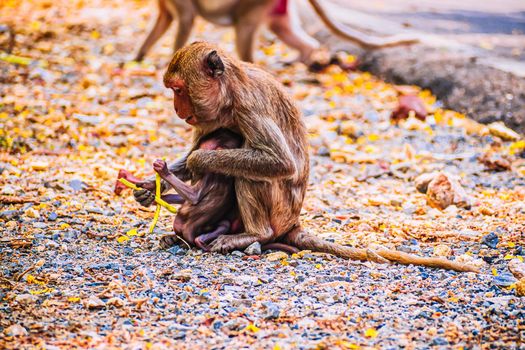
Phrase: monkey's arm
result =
(268, 155)
(189, 193)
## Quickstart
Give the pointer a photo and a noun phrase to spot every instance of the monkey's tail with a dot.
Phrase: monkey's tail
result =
(304, 240)
(358, 37)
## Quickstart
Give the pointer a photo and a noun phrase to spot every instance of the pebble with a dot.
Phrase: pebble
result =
(15, 330)
(253, 249)
(491, 240)
(272, 311)
(504, 279)
(276, 256)
(176, 250)
(517, 268)
(442, 250)
(94, 302)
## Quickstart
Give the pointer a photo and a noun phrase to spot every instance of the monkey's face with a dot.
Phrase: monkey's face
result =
(182, 101)
(195, 75)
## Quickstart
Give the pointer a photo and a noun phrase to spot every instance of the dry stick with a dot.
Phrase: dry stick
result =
(36, 265)
(18, 200)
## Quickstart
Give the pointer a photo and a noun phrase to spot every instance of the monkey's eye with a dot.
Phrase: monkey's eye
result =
(177, 91)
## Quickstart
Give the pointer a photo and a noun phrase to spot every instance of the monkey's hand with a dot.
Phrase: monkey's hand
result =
(161, 168)
(146, 196)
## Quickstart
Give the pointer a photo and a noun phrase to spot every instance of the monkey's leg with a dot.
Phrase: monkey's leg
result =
(222, 229)
(173, 199)
(147, 196)
(253, 206)
(186, 16)
(304, 240)
(287, 28)
(162, 23)
(245, 31)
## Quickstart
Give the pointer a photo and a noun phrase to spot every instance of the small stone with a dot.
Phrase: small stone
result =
(39, 166)
(253, 249)
(116, 302)
(272, 311)
(323, 151)
(442, 250)
(32, 213)
(517, 268)
(445, 190)
(77, 185)
(94, 302)
(26, 299)
(520, 288)
(421, 182)
(176, 250)
(52, 216)
(484, 210)
(237, 254)
(15, 330)
(276, 256)
(491, 240)
(8, 190)
(504, 279)
(349, 128)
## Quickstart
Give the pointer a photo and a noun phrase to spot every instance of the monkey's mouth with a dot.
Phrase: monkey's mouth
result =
(190, 120)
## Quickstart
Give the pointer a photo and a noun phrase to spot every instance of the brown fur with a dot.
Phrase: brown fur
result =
(247, 16)
(271, 169)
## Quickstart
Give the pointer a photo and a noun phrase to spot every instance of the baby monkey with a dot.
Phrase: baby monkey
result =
(209, 206)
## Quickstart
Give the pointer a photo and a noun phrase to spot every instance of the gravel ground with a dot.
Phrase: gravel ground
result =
(78, 270)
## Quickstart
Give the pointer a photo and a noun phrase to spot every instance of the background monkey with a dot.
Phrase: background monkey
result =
(246, 16)
(214, 90)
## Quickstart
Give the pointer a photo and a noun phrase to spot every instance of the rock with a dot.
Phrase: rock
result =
(94, 302)
(484, 210)
(499, 129)
(39, 166)
(272, 311)
(26, 299)
(32, 213)
(52, 216)
(444, 190)
(15, 330)
(253, 249)
(496, 162)
(491, 240)
(520, 288)
(276, 256)
(237, 254)
(504, 279)
(517, 268)
(176, 250)
(77, 185)
(8, 190)
(409, 105)
(442, 250)
(116, 302)
(470, 260)
(350, 128)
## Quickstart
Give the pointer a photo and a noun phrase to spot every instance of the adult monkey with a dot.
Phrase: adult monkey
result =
(247, 16)
(213, 90)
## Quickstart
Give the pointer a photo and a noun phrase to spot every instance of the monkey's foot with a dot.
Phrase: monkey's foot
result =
(226, 243)
(167, 241)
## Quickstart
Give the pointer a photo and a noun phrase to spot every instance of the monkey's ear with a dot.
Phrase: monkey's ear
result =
(214, 65)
